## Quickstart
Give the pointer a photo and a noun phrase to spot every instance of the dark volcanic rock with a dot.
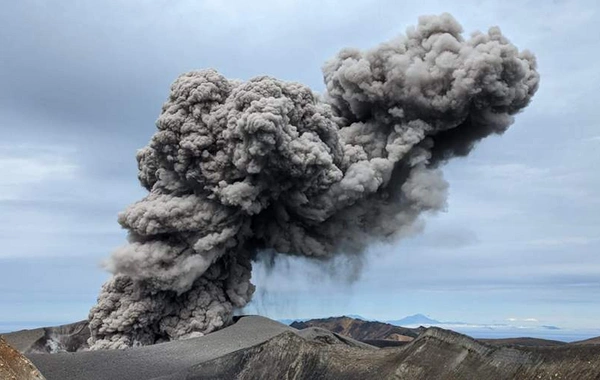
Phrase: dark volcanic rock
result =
(15, 366)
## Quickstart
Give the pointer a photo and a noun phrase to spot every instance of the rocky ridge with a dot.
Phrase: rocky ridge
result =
(256, 347)
(15, 366)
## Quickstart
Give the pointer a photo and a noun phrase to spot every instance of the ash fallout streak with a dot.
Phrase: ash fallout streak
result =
(240, 167)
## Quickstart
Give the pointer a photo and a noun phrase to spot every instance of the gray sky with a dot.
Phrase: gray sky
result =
(81, 84)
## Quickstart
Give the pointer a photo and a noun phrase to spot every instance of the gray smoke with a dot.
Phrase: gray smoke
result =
(236, 168)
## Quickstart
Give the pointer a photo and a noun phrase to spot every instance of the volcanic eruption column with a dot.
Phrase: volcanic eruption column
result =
(239, 167)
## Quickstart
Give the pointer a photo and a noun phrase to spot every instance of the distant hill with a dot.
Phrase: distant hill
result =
(411, 320)
(383, 334)
(595, 340)
(289, 321)
(360, 330)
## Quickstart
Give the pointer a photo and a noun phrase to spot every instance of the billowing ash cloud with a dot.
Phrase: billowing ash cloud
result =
(240, 167)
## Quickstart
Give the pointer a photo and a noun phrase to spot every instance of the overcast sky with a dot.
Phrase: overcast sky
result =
(82, 82)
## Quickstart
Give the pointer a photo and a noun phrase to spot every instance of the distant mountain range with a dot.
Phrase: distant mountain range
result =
(416, 319)
(510, 329)
(411, 320)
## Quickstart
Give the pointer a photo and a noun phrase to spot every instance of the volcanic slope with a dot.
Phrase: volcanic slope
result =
(436, 354)
(259, 348)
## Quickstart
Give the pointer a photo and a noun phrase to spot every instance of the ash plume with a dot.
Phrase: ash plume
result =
(236, 168)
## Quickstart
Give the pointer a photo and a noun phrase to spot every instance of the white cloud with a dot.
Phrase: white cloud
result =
(513, 319)
(23, 166)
